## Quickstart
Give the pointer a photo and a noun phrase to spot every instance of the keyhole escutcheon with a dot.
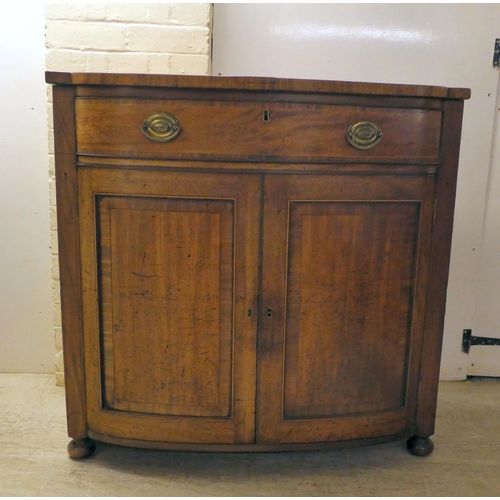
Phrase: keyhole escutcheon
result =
(265, 115)
(269, 312)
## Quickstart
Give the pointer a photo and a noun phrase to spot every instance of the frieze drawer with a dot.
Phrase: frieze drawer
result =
(187, 129)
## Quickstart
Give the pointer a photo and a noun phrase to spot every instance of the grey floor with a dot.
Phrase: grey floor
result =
(33, 459)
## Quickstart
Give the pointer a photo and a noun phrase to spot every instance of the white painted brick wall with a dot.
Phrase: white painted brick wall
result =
(155, 38)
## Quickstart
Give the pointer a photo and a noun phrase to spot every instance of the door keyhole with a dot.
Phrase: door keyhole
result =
(269, 312)
(265, 115)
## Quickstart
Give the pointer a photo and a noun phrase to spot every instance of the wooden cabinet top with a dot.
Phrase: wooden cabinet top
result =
(256, 84)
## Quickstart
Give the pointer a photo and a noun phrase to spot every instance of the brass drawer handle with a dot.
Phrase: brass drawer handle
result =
(161, 127)
(364, 135)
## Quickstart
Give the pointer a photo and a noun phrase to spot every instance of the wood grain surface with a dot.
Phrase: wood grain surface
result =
(345, 268)
(170, 342)
(446, 183)
(69, 260)
(236, 130)
(167, 300)
(350, 278)
(255, 83)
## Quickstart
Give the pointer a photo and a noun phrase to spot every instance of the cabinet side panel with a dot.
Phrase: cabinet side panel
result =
(439, 266)
(69, 259)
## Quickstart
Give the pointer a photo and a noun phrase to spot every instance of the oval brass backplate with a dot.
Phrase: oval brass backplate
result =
(161, 127)
(364, 135)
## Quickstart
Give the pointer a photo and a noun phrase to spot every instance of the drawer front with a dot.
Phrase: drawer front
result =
(258, 131)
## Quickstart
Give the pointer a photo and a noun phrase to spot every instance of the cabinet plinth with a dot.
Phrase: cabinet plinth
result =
(252, 264)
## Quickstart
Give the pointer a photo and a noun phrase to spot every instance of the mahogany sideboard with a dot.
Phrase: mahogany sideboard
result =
(252, 264)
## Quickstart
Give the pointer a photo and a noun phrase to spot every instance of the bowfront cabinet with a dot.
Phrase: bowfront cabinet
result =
(252, 264)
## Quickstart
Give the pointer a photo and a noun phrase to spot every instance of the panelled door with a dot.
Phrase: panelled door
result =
(169, 271)
(344, 272)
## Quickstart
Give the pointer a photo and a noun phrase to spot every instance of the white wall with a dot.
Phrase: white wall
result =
(487, 320)
(434, 44)
(26, 333)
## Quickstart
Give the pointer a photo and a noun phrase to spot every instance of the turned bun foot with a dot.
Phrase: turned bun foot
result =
(82, 448)
(421, 447)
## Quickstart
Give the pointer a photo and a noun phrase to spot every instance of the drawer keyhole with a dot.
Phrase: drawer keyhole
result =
(269, 312)
(265, 115)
